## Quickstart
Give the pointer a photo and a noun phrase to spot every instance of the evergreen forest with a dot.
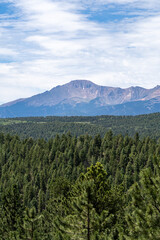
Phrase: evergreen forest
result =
(48, 127)
(75, 187)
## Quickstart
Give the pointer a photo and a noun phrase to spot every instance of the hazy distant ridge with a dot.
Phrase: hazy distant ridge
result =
(83, 97)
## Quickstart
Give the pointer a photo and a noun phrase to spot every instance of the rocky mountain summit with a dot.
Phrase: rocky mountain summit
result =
(83, 97)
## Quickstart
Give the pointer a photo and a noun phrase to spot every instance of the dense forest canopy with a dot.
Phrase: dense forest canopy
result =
(80, 187)
(48, 127)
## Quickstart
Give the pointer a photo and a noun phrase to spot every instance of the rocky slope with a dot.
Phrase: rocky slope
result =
(82, 97)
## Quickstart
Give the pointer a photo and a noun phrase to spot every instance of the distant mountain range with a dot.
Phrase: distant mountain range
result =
(84, 98)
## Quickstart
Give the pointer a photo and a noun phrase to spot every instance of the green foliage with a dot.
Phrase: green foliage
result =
(48, 127)
(11, 214)
(32, 221)
(144, 209)
(95, 207)
(85, 187)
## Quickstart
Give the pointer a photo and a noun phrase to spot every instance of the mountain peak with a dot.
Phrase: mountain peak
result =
(81, 83)
(86, 95)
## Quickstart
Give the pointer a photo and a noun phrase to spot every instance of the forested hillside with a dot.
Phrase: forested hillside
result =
(48, 127)
(81, 187)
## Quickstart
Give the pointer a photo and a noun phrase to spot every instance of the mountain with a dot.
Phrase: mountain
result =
(82, 97)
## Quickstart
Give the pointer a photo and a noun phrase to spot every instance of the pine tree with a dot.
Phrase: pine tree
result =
(32, 225)
(81, 221)
(143, 216)
(94, 207)
(11, 214)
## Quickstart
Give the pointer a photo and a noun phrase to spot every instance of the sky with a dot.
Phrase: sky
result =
(45, 43)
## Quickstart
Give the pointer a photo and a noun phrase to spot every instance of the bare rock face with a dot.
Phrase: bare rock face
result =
(84, 91)
(83, 97)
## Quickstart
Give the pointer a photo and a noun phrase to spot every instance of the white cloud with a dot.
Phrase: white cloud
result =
(7, 52)
(135, 3)
(52, 42)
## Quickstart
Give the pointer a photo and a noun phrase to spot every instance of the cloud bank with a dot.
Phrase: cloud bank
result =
(44, 43)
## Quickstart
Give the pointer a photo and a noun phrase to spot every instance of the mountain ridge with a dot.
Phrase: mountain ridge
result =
(84, 97)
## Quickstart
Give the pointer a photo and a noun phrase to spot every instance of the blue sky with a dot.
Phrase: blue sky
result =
(44, 43)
